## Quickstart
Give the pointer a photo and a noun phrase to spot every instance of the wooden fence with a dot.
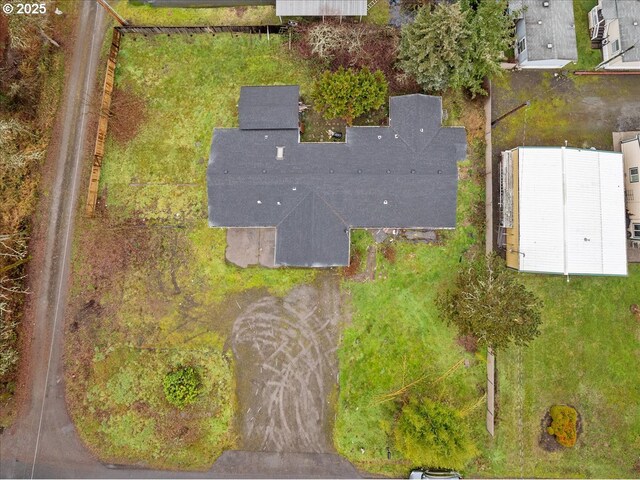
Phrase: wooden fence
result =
(211, 29)
(118, 33)
(103, 122)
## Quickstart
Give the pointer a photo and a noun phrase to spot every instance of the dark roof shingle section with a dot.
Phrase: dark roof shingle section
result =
(312, 235)
(401, 176)
(268, 108)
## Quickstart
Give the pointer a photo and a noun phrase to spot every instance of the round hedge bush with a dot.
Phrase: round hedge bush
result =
(564, 425)
(182, 386)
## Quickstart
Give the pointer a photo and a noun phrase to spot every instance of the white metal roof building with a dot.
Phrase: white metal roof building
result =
(563, 211)
(318, 8)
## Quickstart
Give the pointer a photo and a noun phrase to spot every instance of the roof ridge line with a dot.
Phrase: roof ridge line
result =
(346, 224)
(309, 192)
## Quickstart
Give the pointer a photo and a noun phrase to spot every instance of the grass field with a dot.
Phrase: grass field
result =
(152, 290)
(396, 335)
(147, 15)
(588, 58)
(587, 356)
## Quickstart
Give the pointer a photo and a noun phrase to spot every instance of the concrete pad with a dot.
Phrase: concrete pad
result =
(251, 246)
(267, 247)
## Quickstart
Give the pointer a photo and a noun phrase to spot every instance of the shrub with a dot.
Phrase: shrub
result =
(182, 386)
(350, 93)
(564, 425)
(488, 302)
(434, 435)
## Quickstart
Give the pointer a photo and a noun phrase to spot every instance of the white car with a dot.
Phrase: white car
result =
(435, 474)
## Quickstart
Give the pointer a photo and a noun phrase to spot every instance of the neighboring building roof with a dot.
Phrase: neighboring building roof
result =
(401, 176)
(627, 12)
(316, 8)
(551, 25)
(571, 211)
(269, 108)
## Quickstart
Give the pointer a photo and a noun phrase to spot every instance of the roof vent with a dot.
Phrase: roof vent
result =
(635, 24)
(549, 46)
(539, 22)
(545, 4)
(279, 153)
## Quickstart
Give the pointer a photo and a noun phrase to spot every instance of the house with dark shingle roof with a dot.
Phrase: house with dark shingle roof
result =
(401, 176)
(545, 33)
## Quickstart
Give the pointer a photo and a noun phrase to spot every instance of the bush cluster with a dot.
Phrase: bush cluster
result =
(182, 386)
(564, 425)
(349, 93)
(433, 434)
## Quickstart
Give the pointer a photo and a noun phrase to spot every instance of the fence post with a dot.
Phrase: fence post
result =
(491, 390)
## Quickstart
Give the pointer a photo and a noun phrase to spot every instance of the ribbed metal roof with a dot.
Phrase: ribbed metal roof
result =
(316, 8)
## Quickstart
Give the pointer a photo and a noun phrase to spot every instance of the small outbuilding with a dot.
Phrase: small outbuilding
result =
(563, 211)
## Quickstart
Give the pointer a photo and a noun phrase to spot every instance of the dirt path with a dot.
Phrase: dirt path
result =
(285, 350)
(45, 433)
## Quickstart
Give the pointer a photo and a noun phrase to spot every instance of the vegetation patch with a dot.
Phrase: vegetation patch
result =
(398, 351)
(140, 14)
(350, 93)
(31, 80)
(433, 434)
(154, 296)
(564, 425)
(182, 386)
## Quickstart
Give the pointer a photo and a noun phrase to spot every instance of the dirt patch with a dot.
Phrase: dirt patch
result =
(353, 268)
(128, 113)
(548, 442)
(287, 367)
(389, 253)
(468, 342)
(240, 11)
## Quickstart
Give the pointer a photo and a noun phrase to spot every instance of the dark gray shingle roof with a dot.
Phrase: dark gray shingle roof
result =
(268, 108)
(401, 176)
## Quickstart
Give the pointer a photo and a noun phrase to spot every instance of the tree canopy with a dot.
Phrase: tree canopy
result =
(457, 44)
(349, 93)
(488, 302)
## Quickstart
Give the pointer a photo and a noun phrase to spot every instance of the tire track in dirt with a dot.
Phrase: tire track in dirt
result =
(285, 350)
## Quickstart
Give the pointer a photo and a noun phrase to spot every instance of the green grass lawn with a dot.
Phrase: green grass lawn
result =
(587, 356)
(588, 58)
(147, 15)
(397, 336)
(152, 291)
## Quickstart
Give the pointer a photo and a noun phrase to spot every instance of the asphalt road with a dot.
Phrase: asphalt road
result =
(43, 443)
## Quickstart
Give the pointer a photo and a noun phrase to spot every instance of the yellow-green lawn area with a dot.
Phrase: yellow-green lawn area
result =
(152, 290)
